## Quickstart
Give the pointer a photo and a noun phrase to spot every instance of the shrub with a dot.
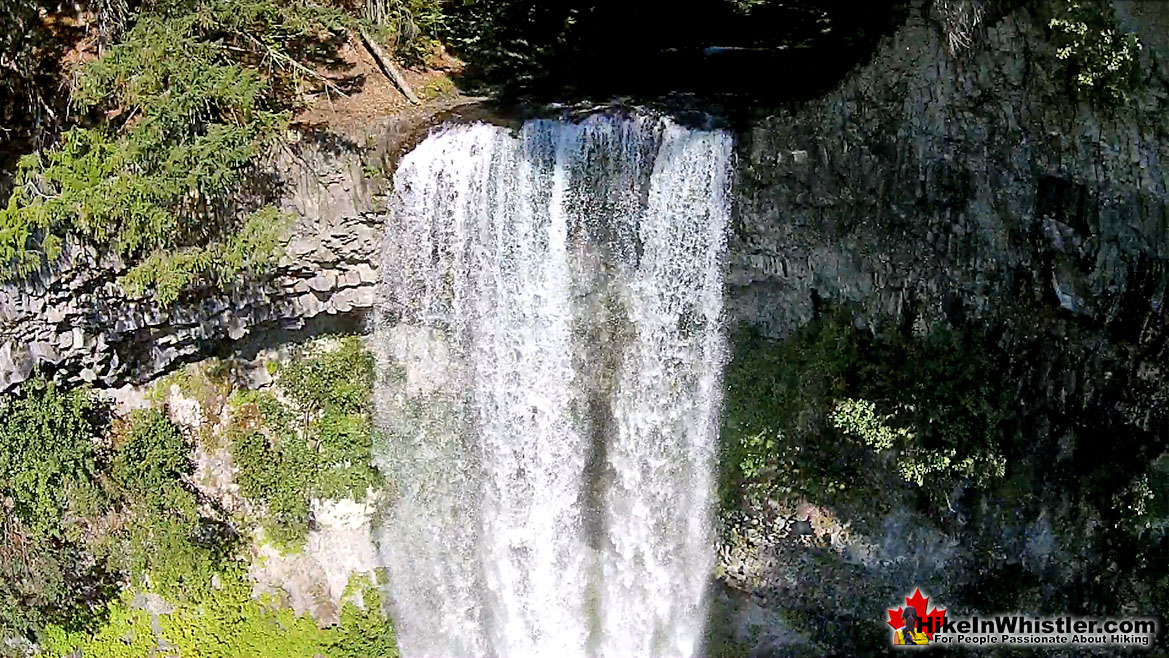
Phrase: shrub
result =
(859, 418)
(318, 445)
(167, 545)
(1100, 59)
(777, 395)
(169, 548)
(831, 404)
(49, 480)
(154, 455)
(365, 631)
(340, 378)
(48, 459)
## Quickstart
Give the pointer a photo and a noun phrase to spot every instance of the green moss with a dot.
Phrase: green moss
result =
(437, 88)
(126, 633)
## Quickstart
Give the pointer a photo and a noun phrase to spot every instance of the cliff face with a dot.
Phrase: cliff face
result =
(969, 193)
(75, 321)
(928, 180)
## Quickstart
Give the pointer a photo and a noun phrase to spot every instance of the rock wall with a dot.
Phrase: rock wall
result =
(928, 179)
(75, 321)
(969, 191)
(928, 189)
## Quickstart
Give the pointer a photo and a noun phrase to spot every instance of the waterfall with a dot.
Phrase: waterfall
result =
(550, 352)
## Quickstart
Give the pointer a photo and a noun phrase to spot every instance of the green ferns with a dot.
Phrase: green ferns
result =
(317, 444)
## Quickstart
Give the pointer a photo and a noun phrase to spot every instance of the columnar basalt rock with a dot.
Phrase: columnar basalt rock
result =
(75, 321)
(928, 190)
(927, 179)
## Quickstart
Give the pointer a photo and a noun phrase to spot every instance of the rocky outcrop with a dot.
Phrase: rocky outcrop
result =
(927, 190)
(75, 321)
(928, 180)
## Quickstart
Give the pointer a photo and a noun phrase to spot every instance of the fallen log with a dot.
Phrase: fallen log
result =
(389, 68)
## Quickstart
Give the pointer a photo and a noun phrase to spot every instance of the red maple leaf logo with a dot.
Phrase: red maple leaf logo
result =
(929, 622)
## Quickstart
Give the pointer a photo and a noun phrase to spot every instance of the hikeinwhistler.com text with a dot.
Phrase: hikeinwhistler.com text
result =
(1021, 630)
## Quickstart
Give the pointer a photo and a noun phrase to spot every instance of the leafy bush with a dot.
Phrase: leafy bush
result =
(1100, 58)
(777, 395)
(364, 631)
(45, 580)
(831, 404)
(746, 6)
(154, 455)
(125, 633)
(167, 544)
(74, 516)
(169, 548)
(279, 476)
(228, 623)
(859, 418)
(341, 379)
(48, 460)
(318, 445)
(49, 481)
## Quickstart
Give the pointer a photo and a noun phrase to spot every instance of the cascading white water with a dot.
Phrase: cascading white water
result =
(550, 357)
